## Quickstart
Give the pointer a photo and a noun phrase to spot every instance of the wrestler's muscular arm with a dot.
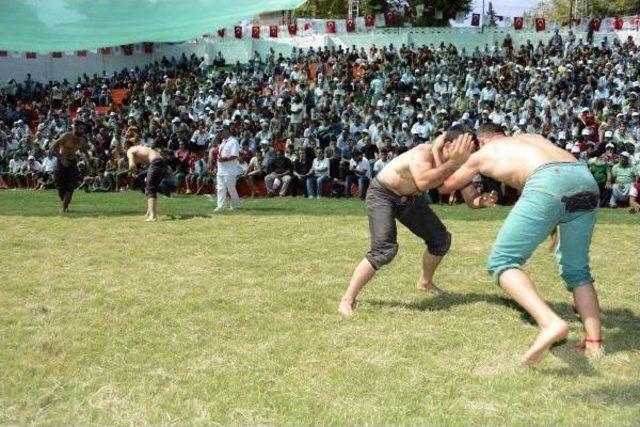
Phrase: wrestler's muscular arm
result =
(464, 175)
(133, 166)
(428, 178)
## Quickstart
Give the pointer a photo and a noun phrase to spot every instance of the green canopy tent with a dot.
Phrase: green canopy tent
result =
(68, 25)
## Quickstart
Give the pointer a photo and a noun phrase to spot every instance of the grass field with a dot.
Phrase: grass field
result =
(231, 319)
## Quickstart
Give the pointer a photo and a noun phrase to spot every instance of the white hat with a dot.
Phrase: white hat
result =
(420, 116)
(522, 122)
(586, 132)
(584, 110)
(442, 111)
(609, 145)
(608, 134)
(569, 146)
(465, 115)
(405, 125)
(31, 158)
(112, 113)
(175, 120)
(625, 154)
(562, 135)
(635, 113)
(575, 149)
(380, 103)
(178, 92)
(407, 99)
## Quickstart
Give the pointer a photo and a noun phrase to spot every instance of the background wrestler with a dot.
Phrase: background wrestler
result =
(66, 173)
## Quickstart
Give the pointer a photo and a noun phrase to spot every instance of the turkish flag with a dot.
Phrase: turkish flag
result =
(127, 49)
(351, 25)
(221, 33)
(273, 31)
(147, 47)
(390, 18)
(331, 27)
(369, 21)
(475, 20)
(255, 32)
(540, 24)
(618, 23)
(105, 51)
(31, 55)
(237, 31)
(81, 53)
(293, 29)
(518, 22)
(594, 24)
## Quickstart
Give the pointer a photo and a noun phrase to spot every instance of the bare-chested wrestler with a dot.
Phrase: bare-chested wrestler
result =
(159, 175)
(66, 173)
(556, 190)
(395, 193)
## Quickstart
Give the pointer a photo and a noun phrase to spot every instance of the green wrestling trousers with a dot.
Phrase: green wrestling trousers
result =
(561, 194)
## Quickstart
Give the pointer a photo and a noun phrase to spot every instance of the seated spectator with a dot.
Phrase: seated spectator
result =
(361, 173)
(255, 171)
(623, 177)
(279, 175)
(634, 199)
(302, 172)
(381, 162)
(319, 175)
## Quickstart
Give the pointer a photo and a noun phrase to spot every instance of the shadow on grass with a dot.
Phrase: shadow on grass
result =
(609, 395)
(621, 327)
(45, 204)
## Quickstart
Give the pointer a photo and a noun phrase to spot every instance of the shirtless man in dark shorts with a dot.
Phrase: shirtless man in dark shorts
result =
(66, 174)
(395, 193)
(557, 191)
(159, 175)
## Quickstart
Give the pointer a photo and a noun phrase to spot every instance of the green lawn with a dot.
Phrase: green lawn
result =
(231, 319)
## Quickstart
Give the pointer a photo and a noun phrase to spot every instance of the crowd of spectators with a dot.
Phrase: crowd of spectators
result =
(324, 121)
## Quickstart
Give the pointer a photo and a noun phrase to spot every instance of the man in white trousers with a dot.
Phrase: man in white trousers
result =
(228, 168)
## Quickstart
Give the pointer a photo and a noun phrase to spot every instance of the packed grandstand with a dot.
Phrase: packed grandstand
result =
(351, 109)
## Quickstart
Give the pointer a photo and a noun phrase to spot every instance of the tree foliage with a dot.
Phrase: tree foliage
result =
(338, 9)
(561, 9)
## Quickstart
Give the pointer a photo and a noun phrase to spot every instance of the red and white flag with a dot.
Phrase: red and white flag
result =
(541, 24)
(293, 29)
(351, 25)
(237, 31)
(331, 27)
(594, 24)
(273, 31)
(518, 22)
(369, 21)
(475, 20)
(390, 18)
(255, 32)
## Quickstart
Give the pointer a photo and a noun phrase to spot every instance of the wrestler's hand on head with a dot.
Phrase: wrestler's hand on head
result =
(436, 150)
(461, 149)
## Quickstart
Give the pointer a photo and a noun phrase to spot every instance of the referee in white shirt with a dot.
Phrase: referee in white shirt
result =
(228, 168)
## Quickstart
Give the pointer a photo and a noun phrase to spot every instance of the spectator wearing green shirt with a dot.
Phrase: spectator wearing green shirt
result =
(600, 168)
(623, 176)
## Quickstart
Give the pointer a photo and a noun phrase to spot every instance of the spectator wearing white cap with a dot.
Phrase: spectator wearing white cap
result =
(421, 129)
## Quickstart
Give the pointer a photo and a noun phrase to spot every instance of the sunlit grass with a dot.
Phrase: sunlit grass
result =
(231, 319)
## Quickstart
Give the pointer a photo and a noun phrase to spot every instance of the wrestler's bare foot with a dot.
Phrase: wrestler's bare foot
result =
(346, 307)
(593, 350)
(428, 287)
(151, 219)
(548, 335)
